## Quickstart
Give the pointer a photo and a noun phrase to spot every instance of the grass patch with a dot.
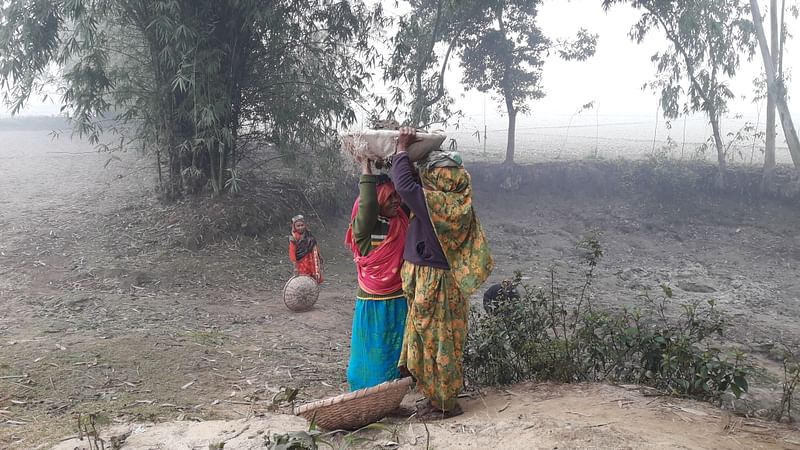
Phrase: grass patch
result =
(210, 338)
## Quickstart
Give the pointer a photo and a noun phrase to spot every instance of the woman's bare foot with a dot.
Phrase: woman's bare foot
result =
(426, 412)
(403, 411)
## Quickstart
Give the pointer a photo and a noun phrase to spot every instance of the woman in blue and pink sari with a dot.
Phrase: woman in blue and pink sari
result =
(376, 237)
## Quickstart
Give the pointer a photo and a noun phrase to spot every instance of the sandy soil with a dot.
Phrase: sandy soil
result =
(522, 417)
(103, 313)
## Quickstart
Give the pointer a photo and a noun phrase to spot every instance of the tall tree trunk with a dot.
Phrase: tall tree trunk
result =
(418, 104)
(158, 163)
(222, 176)
(780, 100)
(214, 157)
(512, 131)
(175, 187)
(782, 32)
(769, 148)
(714, 119)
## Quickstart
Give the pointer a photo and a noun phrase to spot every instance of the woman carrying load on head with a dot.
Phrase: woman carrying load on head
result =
(304, 251)
(376, 236)
(447, 259)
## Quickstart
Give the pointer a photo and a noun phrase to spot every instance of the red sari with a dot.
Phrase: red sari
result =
(304, 253)
(379, 271)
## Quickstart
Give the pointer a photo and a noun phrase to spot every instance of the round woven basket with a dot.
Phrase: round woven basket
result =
(356, 409)
(300, 293)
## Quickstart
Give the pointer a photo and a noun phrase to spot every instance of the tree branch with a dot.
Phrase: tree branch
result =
(440, 90)
(427, 56)
(679, 48)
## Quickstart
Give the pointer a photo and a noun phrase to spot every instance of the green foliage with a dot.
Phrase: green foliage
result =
(502, 51)
(667, 175)
(299, 440)
(313, 437)
(198, 82)
(746, 136)
(87, 428)
(707, 39)
(415, 70)
(791, 378)
(552, 334)
(504, 54)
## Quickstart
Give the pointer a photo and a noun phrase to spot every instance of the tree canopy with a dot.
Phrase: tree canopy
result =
(199, 82)
(504, 51)
(186, 77)
(707, 41)
(501, 50)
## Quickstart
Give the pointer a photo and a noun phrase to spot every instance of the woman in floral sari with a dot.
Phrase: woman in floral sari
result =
(376, 237)
(303, 250)
(446, 259)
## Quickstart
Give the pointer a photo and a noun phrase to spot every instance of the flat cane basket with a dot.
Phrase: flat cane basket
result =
(300, 293)
(356, 409)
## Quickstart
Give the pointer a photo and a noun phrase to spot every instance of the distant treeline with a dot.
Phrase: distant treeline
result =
(33, 123)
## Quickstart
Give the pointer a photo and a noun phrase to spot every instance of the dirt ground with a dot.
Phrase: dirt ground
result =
(523, 417)
(103, 313)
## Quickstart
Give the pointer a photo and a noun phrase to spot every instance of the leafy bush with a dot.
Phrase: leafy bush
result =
(552, 334)
(791, 378)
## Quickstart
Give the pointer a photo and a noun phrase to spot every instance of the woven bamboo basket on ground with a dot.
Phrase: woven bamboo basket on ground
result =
(356, 409)
(300, 293)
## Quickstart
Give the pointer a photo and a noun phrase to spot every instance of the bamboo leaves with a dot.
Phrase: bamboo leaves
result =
(189, 79)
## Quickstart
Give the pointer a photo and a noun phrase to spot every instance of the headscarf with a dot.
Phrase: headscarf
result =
(440, 158)
(448, 196)
(379, 271)
(303, 242)
(385, 191)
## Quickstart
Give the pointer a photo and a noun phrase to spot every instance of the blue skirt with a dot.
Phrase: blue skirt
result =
(378, 327)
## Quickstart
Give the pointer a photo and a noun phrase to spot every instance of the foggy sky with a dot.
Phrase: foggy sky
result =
(613, 78)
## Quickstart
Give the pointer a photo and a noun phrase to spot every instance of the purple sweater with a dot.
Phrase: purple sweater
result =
(422, 246)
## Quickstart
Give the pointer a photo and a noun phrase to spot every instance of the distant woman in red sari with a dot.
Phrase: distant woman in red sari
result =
(303, 250)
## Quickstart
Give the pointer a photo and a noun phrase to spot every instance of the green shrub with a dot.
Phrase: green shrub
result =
(791, 378)
(551, 334)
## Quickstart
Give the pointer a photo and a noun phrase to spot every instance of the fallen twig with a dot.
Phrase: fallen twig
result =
(685, 419)
(600, 425)
(238, 402)
(246, 427)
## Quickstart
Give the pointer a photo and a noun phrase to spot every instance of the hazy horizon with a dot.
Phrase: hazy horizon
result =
(612, 79)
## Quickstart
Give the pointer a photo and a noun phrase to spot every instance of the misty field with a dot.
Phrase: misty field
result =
(105, 310)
